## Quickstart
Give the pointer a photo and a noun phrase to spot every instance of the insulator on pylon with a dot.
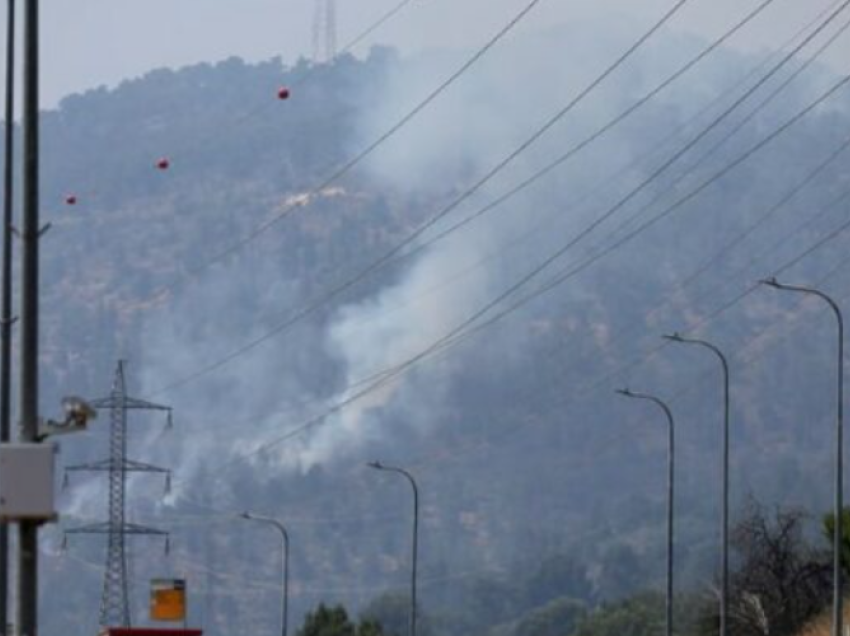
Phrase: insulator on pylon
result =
(167, 546)
(65, 481)
(64, 546)
(168, 483)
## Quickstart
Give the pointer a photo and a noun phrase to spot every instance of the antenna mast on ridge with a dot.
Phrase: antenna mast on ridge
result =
(324, 31)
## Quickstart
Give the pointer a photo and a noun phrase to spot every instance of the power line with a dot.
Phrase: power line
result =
(764, 218)
(362, 155)
(590, 387)
(609, 213)
(606, 378)
(391, 371)
(312, 72)
(540, 132)
(386, 17)
(824, 96)
(468, 326)
(598, 134)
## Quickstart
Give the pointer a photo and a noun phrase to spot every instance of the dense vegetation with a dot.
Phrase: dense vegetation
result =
(542, 494)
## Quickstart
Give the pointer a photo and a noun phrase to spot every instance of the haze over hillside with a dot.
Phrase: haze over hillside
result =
(521, 448)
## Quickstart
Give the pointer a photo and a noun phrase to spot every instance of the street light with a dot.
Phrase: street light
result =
(379, 466)
(837, 600)
(724, 540)
(285, 600)
(670, 485)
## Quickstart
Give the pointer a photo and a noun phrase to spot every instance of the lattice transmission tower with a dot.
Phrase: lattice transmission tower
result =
(115, 601)
(324, 31)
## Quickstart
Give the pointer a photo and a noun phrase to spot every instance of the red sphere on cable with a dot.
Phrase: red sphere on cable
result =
(283, 93)
(163, 164)
(71, 199)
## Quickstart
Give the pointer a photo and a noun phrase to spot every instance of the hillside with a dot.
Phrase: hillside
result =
(522, 450)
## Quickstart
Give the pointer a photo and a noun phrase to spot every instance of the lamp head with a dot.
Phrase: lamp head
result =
(245, 515)
(673, 337)
(625, 392)
(770, 282)
(376, 465)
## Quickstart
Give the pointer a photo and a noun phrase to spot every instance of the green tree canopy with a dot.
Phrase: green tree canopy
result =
(829, 530)
(642, 615)
(334, 621)
(556, 618)
(392, 612)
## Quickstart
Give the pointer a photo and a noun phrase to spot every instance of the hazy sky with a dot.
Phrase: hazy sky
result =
(87, 43)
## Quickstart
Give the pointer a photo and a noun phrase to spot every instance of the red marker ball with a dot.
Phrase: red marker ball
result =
(163, 164)
(283, 93)
(71, 200)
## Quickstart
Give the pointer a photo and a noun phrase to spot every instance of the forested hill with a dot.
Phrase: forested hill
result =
(523, 452)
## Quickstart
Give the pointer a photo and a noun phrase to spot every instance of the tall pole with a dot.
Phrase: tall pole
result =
(837, 594)
(30, 230)
(724, 515)
(284, 618)
(6, 309)
(671, 458)
(414, 564)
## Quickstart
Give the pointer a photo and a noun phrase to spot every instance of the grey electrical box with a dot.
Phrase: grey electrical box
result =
(27, 482)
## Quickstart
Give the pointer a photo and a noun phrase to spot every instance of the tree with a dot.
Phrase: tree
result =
(829, 530)
(641, 615)
(621, 573)
(555, 618)
(334, 621)
(781, 583)
(559, 576)
(392, 612)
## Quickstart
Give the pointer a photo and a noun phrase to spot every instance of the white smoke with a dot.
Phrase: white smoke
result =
(466, 132)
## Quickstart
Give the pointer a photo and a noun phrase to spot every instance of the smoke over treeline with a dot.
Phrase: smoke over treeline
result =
(521, 449)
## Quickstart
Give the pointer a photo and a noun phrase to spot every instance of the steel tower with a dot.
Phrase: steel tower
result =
(324, 31)
(115, 602)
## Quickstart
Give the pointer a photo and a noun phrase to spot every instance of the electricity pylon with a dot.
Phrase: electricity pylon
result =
(115, 602)
(324, 31)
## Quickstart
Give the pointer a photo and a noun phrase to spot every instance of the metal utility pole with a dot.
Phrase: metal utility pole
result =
(671, 458)
(414, 564)
(6, 317)
(724, 521)
(324, 31)
(284, 610)
(838, 530)
(30, 235)
(115, 602)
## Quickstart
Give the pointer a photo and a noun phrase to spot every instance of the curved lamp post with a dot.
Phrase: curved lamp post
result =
(670, 492)
(280, 527)
(379, 466)
(837, 600)
(724, 522)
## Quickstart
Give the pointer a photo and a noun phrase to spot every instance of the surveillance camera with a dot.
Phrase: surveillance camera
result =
(77, 411)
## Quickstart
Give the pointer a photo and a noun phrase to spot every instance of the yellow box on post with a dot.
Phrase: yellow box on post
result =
(168, 600)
